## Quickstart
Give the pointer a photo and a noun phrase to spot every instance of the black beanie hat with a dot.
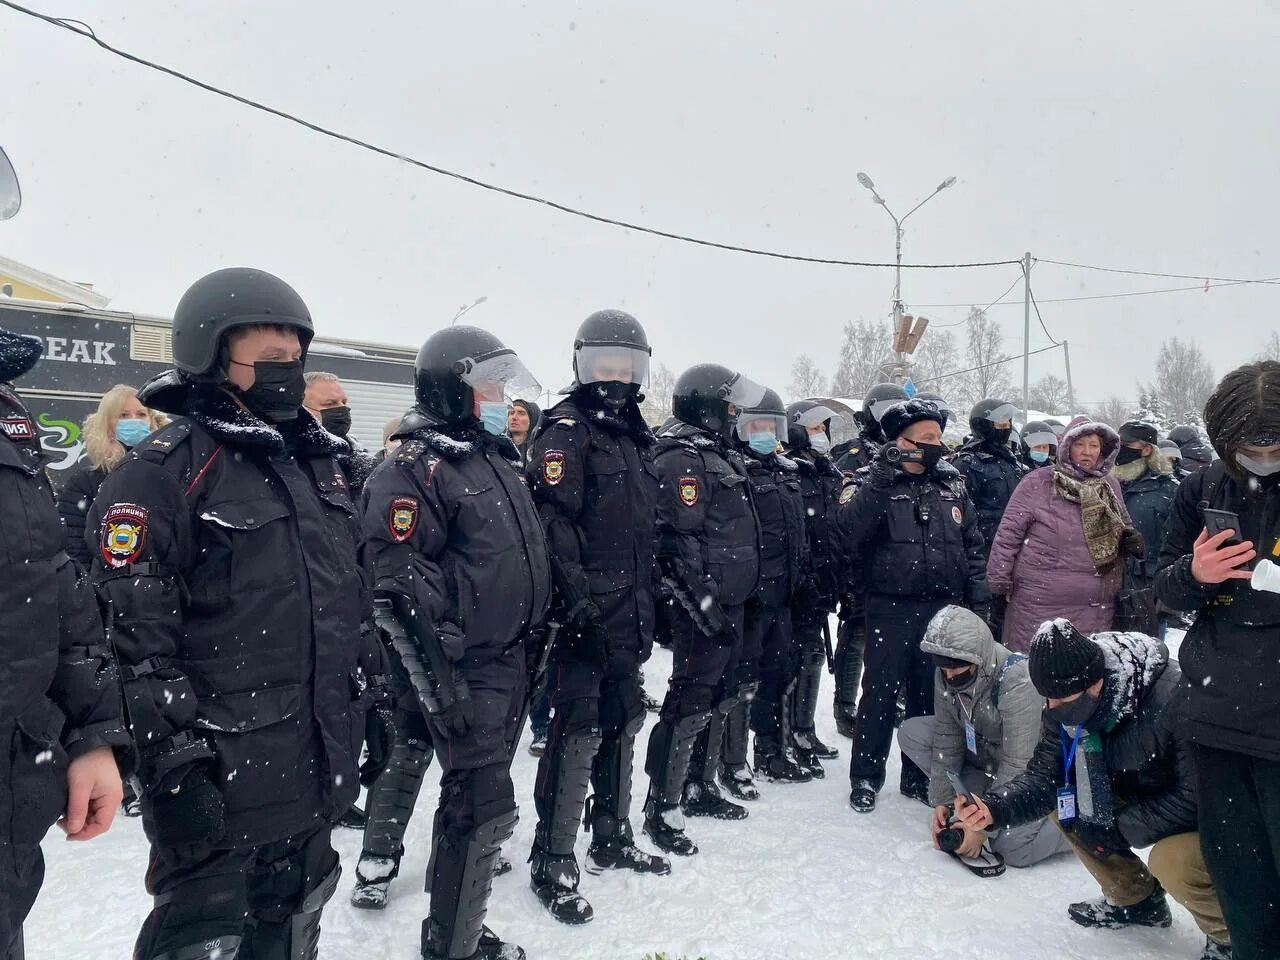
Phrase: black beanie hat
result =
(1063, 661)
(902, 415)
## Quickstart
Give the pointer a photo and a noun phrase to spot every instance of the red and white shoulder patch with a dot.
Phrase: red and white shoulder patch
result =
(847, 491)
(402, 518)
(690, 491)
(124, 534)
(553, 467)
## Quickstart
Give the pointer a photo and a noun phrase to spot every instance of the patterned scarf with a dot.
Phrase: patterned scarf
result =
(1100, 512)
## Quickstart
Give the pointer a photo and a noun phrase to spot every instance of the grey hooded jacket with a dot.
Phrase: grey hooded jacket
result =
(1005, 708)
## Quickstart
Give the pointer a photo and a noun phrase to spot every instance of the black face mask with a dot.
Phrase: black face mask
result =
(1076, 713)
(614, 394)
(1127, 455)
(962, 681)
(932, 454)
(277, 391)
(337, 420)
(1001, 434)
(18, 354)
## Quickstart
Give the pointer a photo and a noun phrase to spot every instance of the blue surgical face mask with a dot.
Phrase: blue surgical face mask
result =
(820, 443)
(132, 432)
(763, 443)
(493, 417)
(1040, 456)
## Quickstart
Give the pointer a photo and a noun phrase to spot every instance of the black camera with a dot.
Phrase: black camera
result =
(950, 839)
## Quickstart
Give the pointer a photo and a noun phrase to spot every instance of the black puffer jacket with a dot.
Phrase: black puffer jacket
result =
(917, 537)
(1149, 499)
(227, 557)
(784, 546)
(1230, 653)
(991, 474)
(449, 524)
(59, 689)
(1142, 725)
(79, 490)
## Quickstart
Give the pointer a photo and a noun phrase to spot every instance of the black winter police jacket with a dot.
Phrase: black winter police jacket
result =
(226, 557)
(784, 545)
(820, 486)
(75, 498)
(59, 689)
(991, 474)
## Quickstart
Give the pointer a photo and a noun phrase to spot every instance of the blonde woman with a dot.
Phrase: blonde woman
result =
(119, 423)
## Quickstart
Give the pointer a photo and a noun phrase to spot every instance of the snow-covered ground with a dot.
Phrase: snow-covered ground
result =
(804, 877)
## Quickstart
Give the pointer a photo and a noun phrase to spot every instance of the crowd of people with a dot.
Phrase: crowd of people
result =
(238, 616)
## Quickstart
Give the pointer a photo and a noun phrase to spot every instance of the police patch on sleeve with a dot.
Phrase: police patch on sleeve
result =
(689, 491)
(846, 492)
(553, 467)
(402, 518)
(957, 515)
(124, 534)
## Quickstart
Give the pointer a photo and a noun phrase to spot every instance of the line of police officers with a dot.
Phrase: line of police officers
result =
(232, 664)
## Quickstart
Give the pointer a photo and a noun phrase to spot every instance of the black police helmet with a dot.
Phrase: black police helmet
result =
(230, 298)
(804, 414)
(447, 365)
(709, 396)
(985, 413)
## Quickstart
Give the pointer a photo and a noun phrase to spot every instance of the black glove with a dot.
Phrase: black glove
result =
(191, 813)
(848, 607)
(590, 635)
(455, 720)
(379, 738)
(1100, 841)
(983, 610)
(1132, 544)
(999, 607)
(884, 468)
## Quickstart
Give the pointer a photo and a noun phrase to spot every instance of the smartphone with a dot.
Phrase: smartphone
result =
(958, 785)
(1215, 521)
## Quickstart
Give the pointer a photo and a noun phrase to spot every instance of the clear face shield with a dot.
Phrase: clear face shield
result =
(612, 363)
(1040, 438)
(816, 417)
(499, 377)
(1004, 412)
(880, 407)
(754, 425)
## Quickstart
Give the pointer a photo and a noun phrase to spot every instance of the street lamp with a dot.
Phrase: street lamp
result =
(467, 308)
(866, 181)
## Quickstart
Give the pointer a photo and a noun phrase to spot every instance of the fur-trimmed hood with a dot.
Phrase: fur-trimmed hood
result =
(1082, 427)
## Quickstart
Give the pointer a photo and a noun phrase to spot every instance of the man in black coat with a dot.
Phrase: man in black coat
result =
(458, 563)
(913, 535)
(1229, 655)
(1114, 763)
(990, 469)
(60, 711)
(596, 488)
(709, 550)
(226, 556)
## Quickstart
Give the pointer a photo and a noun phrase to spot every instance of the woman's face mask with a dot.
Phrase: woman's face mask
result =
(130, 433)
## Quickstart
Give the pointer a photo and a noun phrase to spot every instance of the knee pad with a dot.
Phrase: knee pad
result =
(323, 891)
(691, 700)
(621, 709)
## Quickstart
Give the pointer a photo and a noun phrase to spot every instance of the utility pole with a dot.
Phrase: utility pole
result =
(1071, 389)
(1026, 338)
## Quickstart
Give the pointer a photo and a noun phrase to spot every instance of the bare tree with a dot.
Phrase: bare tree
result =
(937, 360)
(985, 351)
(1113, 411)
(865, 346)
(1049, 394)
(656, 408)
(1184, 380)
(1272, 350)
(806, 379)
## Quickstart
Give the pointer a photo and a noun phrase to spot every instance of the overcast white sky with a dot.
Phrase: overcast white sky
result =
(1139, 135)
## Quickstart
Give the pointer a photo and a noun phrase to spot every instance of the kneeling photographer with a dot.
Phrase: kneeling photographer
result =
(985, 727)
(1114, 762)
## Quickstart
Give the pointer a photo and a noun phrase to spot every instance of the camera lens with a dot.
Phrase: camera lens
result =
(951, 839)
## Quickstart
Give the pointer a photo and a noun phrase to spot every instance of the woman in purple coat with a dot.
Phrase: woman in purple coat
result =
(1059, 551)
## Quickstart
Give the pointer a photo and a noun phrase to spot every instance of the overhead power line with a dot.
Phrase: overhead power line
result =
(960, 323)
(1148, 273)
(84, 30)
(1001, 302)
(985, 366)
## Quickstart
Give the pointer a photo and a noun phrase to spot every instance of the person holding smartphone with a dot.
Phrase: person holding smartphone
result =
(1223, 518)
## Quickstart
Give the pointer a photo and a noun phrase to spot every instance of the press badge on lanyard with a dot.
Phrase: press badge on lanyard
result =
(1067, 793)
(971, 738)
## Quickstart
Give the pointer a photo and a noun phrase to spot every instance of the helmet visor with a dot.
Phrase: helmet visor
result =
(880, 407)
(816, 417)
(742, 392)
(612, 363)
(752, 422)
(499, 376)
(1040, 438)
(1006, 411)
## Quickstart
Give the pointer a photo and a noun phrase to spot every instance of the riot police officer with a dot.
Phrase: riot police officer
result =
(226, 554)
(593, 479)
(850, 457)
(916, 534)
(767, 636)
(708, 549)
(809, 440)
(60, 711)
(988, 464)
(458, 561)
